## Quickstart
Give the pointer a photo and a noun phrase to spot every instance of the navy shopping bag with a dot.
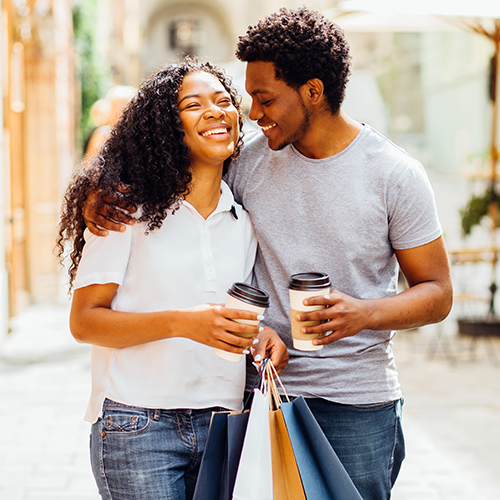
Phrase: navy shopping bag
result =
(236, 428)
(322, 473)
(221, 456)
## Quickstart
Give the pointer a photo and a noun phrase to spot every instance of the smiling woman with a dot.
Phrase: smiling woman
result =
(209, 121)
(144, 298)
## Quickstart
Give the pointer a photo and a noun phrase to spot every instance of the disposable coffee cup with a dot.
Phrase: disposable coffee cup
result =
(248, 298)
(303, 286)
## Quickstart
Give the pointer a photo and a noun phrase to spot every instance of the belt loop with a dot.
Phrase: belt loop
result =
(155, 414)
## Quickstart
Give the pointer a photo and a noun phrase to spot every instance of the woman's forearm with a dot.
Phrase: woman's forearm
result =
(93, 322)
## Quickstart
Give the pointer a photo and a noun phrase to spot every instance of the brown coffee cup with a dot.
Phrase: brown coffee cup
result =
(303, 286)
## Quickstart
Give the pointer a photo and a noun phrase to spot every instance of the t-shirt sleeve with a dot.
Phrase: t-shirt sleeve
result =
(413, 218)
(104, 260)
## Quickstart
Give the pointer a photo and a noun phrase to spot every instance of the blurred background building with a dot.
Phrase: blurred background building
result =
(38, 109)
(424, 88)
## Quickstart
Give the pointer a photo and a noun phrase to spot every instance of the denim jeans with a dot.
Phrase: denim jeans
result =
(368, 440)
(143, 454)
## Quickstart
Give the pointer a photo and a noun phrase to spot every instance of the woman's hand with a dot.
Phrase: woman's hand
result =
(216, 326)
(107, 211)
(270, 344)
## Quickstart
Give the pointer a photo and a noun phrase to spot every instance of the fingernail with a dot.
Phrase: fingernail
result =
(260, 317)
(261, 329)
(252, 350)
(246, 351)
(255, 341)
(258, 357)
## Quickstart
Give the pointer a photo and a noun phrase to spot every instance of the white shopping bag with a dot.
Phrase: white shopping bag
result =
(254, 479)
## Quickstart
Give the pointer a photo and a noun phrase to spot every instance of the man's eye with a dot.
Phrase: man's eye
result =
(266, 103)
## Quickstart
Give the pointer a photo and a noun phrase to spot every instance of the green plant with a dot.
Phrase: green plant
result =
(476, 209)
(92, 70)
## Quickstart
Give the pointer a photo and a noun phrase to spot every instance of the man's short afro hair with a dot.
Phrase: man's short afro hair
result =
(302, 44)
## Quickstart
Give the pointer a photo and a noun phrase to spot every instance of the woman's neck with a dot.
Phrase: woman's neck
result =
(204, 190)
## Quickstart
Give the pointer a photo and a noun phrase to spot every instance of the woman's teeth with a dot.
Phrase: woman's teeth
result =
(214, 131)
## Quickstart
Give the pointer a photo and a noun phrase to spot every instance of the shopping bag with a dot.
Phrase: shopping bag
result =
(236, 428)
(223, 448)
(208, 484)
(323, 475)
(287, 484)
(254, 475)
(221, 456)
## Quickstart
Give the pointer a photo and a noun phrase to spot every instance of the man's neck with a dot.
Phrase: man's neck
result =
(328, 135)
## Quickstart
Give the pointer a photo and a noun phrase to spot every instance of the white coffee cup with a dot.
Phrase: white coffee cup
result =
(303, 286)
(248, 298)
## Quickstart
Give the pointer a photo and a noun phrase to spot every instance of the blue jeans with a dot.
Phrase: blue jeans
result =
(368, 440)
(143, 454)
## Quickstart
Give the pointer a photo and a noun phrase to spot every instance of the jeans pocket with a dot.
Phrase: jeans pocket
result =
(121, 419)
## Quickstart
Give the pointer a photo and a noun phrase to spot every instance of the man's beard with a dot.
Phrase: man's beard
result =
(301, 131)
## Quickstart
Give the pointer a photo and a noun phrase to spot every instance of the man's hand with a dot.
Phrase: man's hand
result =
(106, 212)
(270, 344)
(343, 316)
(427, 299)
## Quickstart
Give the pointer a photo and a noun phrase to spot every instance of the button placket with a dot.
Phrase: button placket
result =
(208, 260)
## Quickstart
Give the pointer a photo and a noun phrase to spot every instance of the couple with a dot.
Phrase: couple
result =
(325, 193)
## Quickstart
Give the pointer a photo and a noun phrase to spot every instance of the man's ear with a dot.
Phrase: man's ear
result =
(315, 90)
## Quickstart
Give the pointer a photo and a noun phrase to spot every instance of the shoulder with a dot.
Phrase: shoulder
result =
(114, 238)
(255, 157)
(384, 161)
(375, 144)
(254, 146)
(104, 259)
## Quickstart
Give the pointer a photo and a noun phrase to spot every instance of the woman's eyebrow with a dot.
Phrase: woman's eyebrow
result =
(217, 92)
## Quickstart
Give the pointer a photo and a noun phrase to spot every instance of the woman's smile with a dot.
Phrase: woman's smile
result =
(209, 119)
(217, 132)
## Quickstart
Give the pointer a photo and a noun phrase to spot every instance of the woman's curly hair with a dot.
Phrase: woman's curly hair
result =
(302, 44)
(146, 151)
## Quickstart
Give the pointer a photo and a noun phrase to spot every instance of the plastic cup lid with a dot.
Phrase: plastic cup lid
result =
(249, 294)
(308, 281)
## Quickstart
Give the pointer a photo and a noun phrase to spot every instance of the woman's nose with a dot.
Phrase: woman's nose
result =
(214, 111)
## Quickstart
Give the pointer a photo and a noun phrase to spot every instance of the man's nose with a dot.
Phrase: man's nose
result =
(255, 112)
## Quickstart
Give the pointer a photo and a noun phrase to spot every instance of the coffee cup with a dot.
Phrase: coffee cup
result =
(248, 298)
(303, 286)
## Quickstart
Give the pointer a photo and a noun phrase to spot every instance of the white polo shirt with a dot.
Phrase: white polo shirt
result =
(187, 262)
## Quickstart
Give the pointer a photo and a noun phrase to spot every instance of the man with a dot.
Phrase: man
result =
(328, 194)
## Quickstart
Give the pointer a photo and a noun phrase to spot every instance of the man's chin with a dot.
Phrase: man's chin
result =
(276, 146)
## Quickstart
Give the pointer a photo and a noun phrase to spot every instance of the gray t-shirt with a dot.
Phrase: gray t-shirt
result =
(343, 216)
